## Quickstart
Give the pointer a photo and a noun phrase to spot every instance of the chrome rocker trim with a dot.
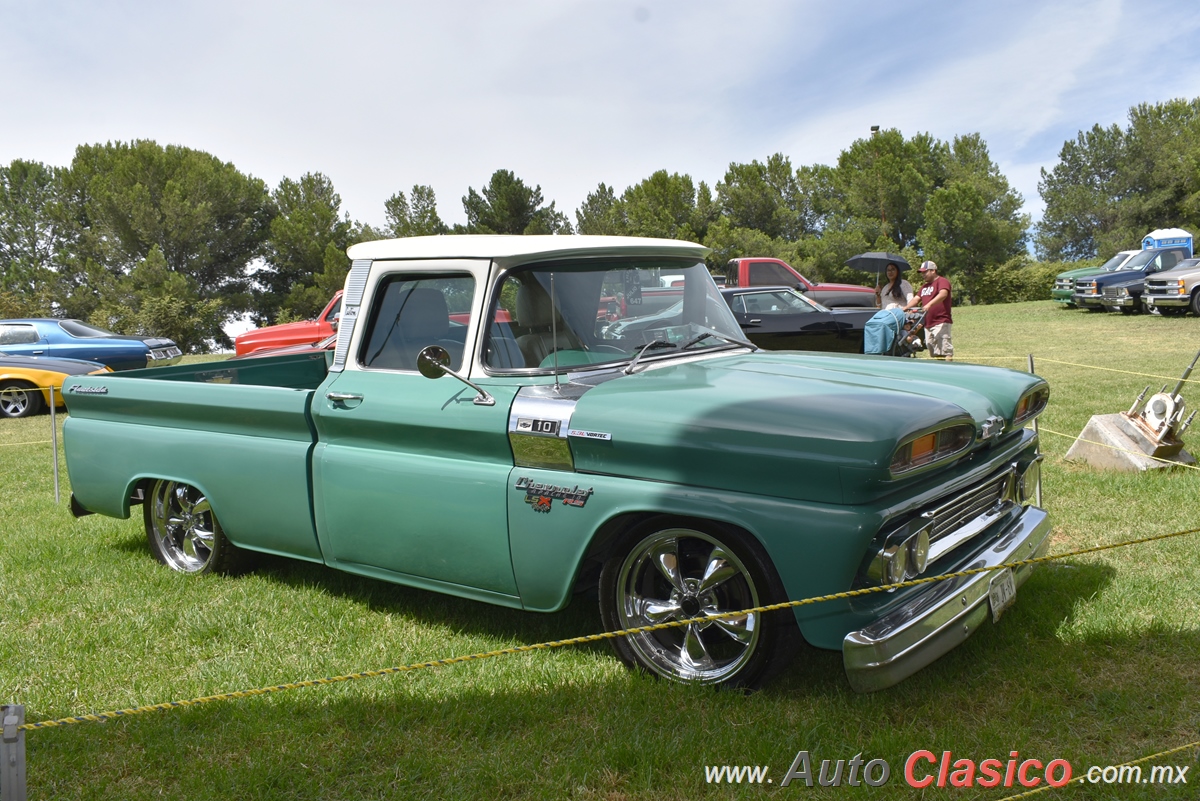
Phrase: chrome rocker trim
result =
(939, 619)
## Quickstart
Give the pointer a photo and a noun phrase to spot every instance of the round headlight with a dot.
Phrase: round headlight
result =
(1027, 485)
(898, 566)
(918, 547)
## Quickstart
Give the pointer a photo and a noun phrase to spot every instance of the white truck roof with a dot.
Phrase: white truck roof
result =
(515, 249)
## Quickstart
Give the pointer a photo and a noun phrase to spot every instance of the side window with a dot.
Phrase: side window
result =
(410, 313)
(13, 334)
(766, 273)
(334, 312)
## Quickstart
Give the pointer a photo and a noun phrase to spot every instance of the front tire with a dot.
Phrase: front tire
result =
(665, 572)
(184, 533)
(19, 400)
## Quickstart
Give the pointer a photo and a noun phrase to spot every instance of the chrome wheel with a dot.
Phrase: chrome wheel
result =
(181, 527)
(17, 400)
(678, 574)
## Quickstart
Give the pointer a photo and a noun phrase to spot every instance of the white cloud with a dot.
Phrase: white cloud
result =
(568, 93)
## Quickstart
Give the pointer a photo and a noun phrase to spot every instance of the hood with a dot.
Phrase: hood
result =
(1081, 272)
(65, 366)
(1121, 278)
(1136, 280)
(1177, 273)
(789, 425)
(844, 287)
(285, 334)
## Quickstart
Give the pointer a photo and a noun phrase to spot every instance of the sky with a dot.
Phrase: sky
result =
(567, 94)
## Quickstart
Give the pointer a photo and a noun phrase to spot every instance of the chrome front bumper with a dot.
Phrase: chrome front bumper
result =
(1167, 300)
(1088, 300)
(163, 357)
(934, 622)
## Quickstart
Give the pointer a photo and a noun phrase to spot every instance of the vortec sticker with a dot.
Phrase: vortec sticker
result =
(579, 432)
(540, 496)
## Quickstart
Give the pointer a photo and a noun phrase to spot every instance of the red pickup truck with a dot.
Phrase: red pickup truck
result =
(760, 271)
(310, 332)
(302, 333)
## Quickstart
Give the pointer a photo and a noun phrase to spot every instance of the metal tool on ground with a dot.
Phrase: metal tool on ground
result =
(1152, 427)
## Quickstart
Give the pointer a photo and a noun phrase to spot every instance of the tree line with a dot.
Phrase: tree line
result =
(144, 238)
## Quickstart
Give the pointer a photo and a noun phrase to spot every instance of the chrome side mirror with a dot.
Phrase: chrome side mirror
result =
(433, 361)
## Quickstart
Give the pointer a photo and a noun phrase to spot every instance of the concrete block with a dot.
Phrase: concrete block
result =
(1134, 452)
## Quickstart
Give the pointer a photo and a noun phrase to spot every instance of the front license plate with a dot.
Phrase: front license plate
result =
(1002, 592)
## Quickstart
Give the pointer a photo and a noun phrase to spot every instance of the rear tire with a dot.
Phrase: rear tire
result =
(184, 533)
(18, 399)
(669, 570)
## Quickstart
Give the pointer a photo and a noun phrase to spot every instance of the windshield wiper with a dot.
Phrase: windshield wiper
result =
(701, 337)
(658, 343)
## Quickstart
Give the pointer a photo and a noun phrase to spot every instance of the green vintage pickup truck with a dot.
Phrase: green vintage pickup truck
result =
(491, 425)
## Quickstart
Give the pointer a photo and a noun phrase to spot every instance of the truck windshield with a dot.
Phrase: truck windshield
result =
(1139, 261)
(1114, 262)
(579, 314)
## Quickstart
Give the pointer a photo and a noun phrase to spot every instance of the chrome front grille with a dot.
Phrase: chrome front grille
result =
(1064, 283)
(1112, 293)
(964, 509)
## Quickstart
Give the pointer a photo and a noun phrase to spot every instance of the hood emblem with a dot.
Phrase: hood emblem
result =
(992, 427)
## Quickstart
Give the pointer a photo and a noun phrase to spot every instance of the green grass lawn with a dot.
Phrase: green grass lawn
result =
(1098, 662)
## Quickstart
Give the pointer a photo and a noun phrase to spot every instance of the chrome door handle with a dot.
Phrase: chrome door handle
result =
(343, 396)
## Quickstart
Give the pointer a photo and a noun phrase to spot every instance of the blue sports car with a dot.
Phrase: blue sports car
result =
(73, 339)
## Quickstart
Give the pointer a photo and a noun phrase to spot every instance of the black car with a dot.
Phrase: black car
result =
(780, 318)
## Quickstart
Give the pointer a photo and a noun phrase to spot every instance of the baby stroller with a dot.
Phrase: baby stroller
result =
(894, 332)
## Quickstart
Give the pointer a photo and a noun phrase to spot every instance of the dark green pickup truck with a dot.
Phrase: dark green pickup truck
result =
(674, 466)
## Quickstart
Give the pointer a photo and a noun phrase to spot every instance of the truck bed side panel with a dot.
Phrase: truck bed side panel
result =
(245, 447)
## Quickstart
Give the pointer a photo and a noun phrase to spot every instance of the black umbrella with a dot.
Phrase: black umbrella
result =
(876, 262)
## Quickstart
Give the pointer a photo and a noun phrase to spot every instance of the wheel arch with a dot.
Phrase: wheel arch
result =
(615, 528)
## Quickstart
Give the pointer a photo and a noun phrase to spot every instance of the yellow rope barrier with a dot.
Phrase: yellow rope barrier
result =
(15, 444)
(1085, 366)
(608, 635)
(1044, 787)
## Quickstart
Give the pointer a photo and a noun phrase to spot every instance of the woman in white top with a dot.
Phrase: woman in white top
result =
(896, 292)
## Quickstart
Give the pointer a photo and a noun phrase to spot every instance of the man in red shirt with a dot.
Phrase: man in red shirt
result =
(934, 296)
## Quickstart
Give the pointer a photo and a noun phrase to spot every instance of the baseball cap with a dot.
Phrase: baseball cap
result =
(926, 265)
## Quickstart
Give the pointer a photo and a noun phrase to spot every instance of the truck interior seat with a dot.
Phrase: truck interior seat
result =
(535, 316)
(423, 320)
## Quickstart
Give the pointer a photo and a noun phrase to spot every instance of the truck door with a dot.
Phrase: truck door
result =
(409, 475)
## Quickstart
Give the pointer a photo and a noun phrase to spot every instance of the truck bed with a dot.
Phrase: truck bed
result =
(291, 371)
(200, 419)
